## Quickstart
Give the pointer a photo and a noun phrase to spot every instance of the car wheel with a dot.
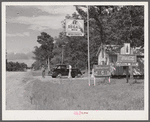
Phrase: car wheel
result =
(53, 76)
(59, 75)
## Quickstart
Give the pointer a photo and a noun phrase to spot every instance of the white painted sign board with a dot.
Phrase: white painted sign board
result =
(74, 27)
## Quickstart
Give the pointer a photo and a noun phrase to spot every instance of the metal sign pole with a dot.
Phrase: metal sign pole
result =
(88, 45)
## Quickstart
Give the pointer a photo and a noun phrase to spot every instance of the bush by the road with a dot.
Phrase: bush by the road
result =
(39, 73)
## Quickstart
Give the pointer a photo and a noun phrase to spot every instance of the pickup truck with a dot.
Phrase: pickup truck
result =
(62, 70)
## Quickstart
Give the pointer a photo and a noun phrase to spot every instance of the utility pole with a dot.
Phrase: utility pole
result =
(62, 54)
(131, 52)
(48, 64)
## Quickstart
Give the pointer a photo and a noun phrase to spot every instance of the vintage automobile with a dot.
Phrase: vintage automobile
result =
(62, 70)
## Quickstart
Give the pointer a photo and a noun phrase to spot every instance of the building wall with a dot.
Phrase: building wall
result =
(100, 58)
(117, 70)
(120, 70)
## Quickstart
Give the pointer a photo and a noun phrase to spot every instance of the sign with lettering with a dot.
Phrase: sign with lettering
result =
(102, 70)
(126, 58)
(126, 64)
(74, 27)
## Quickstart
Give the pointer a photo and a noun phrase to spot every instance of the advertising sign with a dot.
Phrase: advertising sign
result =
(74, 27)
(102, 70)
(126, 64)
(127, 48)
(126, 58)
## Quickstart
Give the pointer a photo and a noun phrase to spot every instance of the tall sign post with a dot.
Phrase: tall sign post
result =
(88, 44)
(62, 58)
(48, 64)
(75, 27)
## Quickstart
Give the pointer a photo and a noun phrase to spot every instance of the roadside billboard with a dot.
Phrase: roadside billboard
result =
(74, 27)
(127, 58)
(127, 48)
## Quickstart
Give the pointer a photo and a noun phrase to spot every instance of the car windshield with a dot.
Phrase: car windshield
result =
(58, 67)
(61, 67)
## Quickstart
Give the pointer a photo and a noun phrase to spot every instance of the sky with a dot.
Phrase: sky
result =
(24, 23)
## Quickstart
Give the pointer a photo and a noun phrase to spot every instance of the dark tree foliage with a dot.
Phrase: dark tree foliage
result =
(15, 66)
(75, 48)
(36, 65)
(44, 52)
(116, 24)
(126, 26)
(113, 25)
(108, 25)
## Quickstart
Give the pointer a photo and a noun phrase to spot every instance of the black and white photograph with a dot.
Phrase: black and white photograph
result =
(75, 60)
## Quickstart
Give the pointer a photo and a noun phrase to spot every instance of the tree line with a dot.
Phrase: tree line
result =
(15, 66)
(109, 25)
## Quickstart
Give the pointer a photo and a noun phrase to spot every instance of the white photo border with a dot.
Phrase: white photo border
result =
(69, 115)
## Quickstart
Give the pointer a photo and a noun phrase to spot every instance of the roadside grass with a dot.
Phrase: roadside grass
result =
(39, 73)
(76, 94)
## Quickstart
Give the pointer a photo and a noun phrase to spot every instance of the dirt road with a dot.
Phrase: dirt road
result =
(15, 84)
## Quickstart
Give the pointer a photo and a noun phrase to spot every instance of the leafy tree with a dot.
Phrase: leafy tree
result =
(15, 66)
(44, 52)
(127, 26)
(97, 20)
(36, 65)
(114, 25)
(109, 25)
(57, 52)
(75, 48)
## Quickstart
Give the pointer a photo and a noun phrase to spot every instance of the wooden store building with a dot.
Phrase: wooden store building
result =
(109, 57)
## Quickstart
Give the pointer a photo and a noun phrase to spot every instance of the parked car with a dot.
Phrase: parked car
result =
(62, 70)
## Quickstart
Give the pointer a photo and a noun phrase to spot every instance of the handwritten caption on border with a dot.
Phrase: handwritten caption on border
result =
(79, 113)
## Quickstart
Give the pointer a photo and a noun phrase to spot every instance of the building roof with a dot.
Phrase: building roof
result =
(115, 50)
